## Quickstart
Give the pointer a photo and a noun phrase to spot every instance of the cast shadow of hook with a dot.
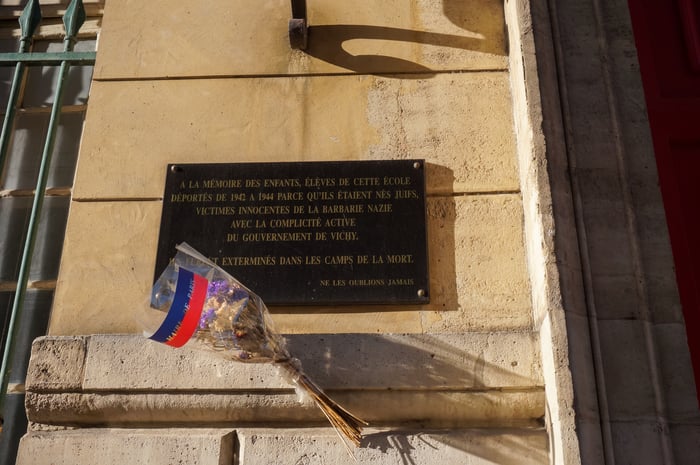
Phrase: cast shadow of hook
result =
(327, 43)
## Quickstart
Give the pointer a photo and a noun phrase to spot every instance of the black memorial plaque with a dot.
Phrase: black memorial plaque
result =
(306, 232)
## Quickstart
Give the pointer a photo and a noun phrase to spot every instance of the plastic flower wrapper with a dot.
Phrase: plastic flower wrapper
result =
(196, 301)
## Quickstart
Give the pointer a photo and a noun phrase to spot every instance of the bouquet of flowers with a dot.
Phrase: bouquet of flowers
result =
(195, 300)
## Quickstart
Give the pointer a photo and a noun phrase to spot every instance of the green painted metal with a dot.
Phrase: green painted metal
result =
(55, 58)
(30, 18)
(74, 18)
(28, 22)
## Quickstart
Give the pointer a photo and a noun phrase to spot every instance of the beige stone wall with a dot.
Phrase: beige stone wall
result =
(458, 380)
(177, 82)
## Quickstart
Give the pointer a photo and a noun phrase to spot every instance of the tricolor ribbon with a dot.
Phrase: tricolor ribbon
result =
(183, 316)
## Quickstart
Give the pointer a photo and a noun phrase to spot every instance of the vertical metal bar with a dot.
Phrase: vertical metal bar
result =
(28, 22)
(74, 18)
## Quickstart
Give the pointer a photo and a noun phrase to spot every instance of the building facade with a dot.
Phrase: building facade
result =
(554, 331)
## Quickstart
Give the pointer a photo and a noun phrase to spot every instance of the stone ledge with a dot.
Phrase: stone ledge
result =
(437, 380)
(488, 291)
(129, 362)
(118, 447)
(467, 446)
(430, 409)
(262, 446)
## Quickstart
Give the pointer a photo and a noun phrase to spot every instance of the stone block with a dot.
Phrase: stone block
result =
(56, 364)
(639, 441)
(107, 267)
(686, 443)
(429, 409)
(628, 376)
(477, 266)
(134, 363)
(676, 373)
(322, 446)
(118, 446)
(480, 379)
(134, 129)
(168, 39)
(335, 361)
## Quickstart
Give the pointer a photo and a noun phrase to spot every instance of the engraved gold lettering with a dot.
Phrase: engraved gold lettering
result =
(289, 196)
(276, 237)
(295, 260)
(340, 222)
(201, 197)
(241, 224)
(339, 260)
(314, 196)
(366, 282)
(264, 210)
(397, 181)
(319, 182)
(344, 236)
(222, 183)
(342, 209)
(399, 259)
(249, 261)
(401, 282)
(365, 182)
(295, 223)
(405, 194)
(354, 195)
(281, 183)
(379, 208)
(212, 211)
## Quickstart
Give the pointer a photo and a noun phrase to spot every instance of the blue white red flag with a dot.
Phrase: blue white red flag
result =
(182, 318)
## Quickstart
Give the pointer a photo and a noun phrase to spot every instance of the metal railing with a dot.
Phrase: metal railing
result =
(29, 21)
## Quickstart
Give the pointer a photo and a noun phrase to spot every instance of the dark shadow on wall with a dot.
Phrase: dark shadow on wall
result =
(326, 43)
(483, 19)
(413, 361)
(419, 378)
(474, 15)
(499, 446)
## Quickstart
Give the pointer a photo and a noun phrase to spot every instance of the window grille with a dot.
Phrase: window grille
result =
(45, 72)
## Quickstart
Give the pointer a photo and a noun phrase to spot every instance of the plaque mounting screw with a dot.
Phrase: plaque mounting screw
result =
(416, 165)
(421, 292)
(176, 169)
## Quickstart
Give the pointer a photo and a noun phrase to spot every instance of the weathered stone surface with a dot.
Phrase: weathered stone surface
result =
(483, 379)
(477, 264)
(107, 267)
(477, 268)
(322, 446)
(134, 129)
(347, 361)
(118, 447)
(233, 38)
(57, 363)
(428, 408)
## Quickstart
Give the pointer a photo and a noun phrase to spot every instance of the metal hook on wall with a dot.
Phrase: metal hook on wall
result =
(298, 27)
